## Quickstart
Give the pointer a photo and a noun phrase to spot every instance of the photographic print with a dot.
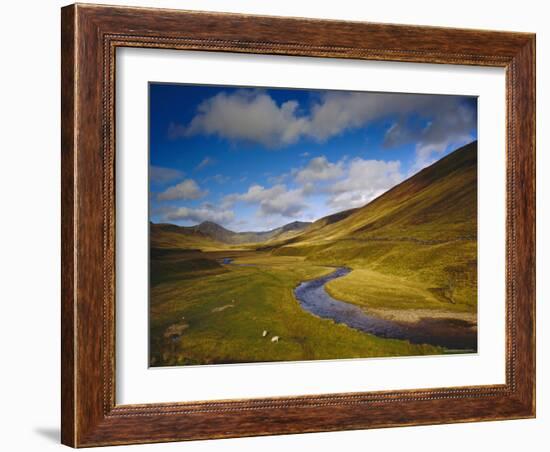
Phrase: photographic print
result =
(300, 224)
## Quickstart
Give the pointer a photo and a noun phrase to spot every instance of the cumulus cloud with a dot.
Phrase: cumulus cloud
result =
(246, 115)
(188, 190)
(279, 179)
(364, 181)
(255, 193)
(319, 169)
(288, 203)
(254, 116)
(207, 161)
(206, 212)
(309, 188)
(161, 174)
(277, 200)
(353, 183)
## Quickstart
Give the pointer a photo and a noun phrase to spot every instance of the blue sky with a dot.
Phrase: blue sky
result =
(257, 158)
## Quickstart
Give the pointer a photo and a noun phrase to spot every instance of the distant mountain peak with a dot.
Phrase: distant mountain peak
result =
(294, 225)
(221, 234)
(209, 223)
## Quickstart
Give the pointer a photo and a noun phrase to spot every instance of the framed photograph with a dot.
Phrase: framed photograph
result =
(282, 225)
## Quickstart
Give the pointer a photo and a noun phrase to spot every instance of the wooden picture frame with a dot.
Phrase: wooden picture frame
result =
(90, 36)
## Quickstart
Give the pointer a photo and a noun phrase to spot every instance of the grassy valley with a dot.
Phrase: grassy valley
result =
(422, 234)
(219, 296)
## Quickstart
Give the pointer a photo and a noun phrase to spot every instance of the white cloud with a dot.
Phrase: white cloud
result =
(246, 115)
(206, 212)
(277, 200)
(319, 169)
(256, 193)
(364, 181)
(207, 161)
(353, 183)
(279, 179)
(288, 203)
(188, 189)
(309, 188)
(254, 116)
(161, 174)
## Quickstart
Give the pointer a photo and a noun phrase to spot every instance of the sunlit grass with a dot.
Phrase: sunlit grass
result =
(254, 300)
(412, 249)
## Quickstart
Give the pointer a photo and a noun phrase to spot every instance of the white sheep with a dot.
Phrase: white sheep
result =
(275, 339)
(264, 334)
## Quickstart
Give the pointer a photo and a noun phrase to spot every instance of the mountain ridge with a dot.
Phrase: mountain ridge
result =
(217, 233)
(441, 194)
(444, 193)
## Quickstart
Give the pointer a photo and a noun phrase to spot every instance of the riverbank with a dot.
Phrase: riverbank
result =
(422, 328)
(255, 298)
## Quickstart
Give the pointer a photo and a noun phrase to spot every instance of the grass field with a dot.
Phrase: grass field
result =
(402, 275)
(412, 252)
(223, 312)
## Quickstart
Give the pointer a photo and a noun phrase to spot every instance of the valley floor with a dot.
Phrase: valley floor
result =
(206, 312)
(408, 257)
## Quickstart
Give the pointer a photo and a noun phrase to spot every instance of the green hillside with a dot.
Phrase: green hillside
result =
(438, 203)
(166, 235)
(219, 296)
(211, 235)
(179, 251)
(423, 232)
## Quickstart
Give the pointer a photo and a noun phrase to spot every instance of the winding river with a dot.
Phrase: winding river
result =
(449, 333)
